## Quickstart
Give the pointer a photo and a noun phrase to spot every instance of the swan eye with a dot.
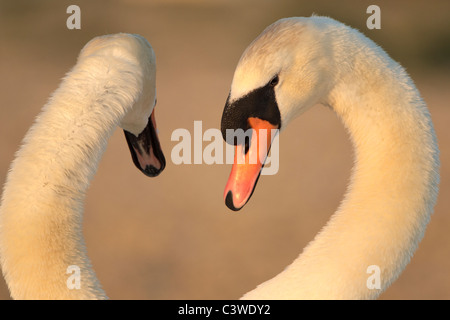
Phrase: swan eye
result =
(274, 81)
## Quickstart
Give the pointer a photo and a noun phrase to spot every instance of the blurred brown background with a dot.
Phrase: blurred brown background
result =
(172, 237)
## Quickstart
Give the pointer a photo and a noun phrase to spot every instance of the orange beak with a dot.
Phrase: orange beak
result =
(248, 165)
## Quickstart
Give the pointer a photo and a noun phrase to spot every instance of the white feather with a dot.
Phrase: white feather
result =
(395, 178)
(112, 84)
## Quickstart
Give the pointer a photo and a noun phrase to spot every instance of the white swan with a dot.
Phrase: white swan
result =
(296, 63)
(112, 84)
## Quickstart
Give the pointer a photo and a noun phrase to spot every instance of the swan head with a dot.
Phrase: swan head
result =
(281, 74)
(137, 57)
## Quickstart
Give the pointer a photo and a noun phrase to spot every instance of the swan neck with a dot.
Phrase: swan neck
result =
(394, 182)
(393, 187)
(41, 242)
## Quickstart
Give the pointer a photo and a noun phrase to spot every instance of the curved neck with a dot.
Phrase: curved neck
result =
(42, 248)
(373, 234)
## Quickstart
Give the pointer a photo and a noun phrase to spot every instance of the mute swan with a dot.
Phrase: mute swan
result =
(112, 84)
(296, 63)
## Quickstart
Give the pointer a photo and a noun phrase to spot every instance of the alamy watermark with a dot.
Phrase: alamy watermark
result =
(74, 20)
(374, 20)
(74, 280)
(191, 149)
(374, 280)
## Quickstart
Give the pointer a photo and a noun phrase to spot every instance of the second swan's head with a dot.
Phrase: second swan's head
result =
(128, 61)
(282, 73)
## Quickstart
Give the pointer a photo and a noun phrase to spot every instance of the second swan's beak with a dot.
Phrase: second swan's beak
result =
(146, 150)
(248, 162)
